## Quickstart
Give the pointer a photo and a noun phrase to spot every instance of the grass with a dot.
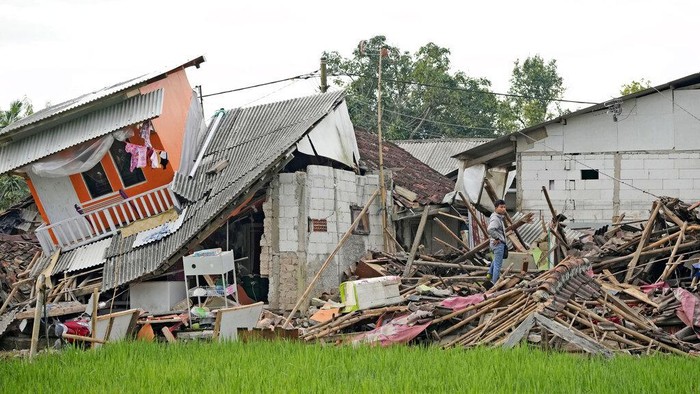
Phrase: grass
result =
(274, 367)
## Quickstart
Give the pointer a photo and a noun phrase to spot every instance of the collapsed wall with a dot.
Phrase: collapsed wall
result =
(306, 214)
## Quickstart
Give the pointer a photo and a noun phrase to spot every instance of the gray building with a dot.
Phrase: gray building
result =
(602, 161)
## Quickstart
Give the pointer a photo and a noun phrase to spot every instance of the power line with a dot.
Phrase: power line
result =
(428, 85)
(301, 76)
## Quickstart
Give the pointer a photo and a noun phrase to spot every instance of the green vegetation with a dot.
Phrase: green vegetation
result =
(424, 97)
(292, 367)
(13, 188)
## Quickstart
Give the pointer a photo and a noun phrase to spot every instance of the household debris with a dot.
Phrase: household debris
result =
(627, 288)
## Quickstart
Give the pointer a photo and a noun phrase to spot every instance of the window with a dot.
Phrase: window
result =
(589, 174)
(96, 181)
(122, 160)
(362, 227)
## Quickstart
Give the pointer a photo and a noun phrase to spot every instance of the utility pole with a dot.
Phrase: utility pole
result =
(382, 185)
(324, 81)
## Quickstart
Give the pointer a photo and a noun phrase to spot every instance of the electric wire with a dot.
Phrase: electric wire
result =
(428, 85)
(300, 76)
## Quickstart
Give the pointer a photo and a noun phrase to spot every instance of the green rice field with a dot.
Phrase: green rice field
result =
(278, 367)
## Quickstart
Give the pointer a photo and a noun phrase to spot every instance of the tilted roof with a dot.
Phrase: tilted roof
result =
(256, 142)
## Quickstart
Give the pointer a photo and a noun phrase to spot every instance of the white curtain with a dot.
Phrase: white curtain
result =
(77, 159)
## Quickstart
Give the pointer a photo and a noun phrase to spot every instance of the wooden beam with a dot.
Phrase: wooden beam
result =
(41, 294)
(573, 336)
(645, 236)
(416, 241)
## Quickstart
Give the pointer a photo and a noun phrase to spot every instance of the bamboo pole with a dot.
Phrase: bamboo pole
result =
(416, 241)
(41, 294)
(330, 257)
(645, 236)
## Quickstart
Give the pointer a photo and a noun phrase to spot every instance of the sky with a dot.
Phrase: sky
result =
(52, 51)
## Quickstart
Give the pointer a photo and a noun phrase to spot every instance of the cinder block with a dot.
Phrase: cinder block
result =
(658, 164)
(634, 174)
(689, 174)
(670, 173)
(686, 163)
(534, 165)
(632, 164)
(674, 184)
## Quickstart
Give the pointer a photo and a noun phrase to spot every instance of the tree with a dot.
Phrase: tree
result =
(13, 188)
(634, 87)
(535, 87)
(421, 97)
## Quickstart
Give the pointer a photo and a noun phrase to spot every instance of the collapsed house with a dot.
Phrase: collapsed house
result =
(130, 179)
(604, 160)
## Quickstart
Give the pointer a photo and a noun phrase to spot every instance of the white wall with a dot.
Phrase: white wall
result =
(291, 255)
(659, 152)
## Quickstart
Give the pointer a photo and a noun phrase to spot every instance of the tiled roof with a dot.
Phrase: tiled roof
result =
(407, 171)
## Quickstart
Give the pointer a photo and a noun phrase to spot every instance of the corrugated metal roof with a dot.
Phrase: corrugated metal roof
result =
(437, 153)
(6, 320)
(83, 257)
(531, 232)
(85, 99)
(95, 124)
(253, 140)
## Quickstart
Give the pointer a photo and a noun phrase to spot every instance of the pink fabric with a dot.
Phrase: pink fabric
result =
(398, 330)
(650, 288)
(455, 303)
(138, 155)
(689, 311)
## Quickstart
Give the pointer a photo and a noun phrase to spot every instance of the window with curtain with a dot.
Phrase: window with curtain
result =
(122, 160)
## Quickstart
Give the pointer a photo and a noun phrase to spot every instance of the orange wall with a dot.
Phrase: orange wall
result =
(155, 177)
(35, 196)
(170, 125)
(169, 133)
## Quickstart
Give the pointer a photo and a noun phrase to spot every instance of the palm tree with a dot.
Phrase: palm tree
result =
(18, 110)
(13, 188)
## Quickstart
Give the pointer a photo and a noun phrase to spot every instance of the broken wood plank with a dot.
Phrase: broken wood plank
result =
(450, 233)
(416, 241)
(168, 335)
(645, 236)
(521, 331)
(573, 336)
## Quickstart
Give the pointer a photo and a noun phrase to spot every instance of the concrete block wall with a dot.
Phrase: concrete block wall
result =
(670, 173)
(291, 255)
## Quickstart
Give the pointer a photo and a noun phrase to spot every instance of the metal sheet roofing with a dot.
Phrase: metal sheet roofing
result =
(83, 257)
(88, 98)
(437, 153)
(531, 232)
(95, 124)
(255, 141)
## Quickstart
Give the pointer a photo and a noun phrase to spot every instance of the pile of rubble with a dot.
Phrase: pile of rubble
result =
(628, 288)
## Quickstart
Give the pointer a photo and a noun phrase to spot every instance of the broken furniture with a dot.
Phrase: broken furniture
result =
(208, 263)
(229, 320)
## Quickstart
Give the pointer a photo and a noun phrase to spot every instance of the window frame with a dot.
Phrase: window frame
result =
(87, 186)
(119, 173)
(363, 226)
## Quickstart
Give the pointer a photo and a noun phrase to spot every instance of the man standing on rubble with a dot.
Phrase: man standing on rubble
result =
(498, 244)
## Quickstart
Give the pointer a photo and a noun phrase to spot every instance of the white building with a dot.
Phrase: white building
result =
(601, 161)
